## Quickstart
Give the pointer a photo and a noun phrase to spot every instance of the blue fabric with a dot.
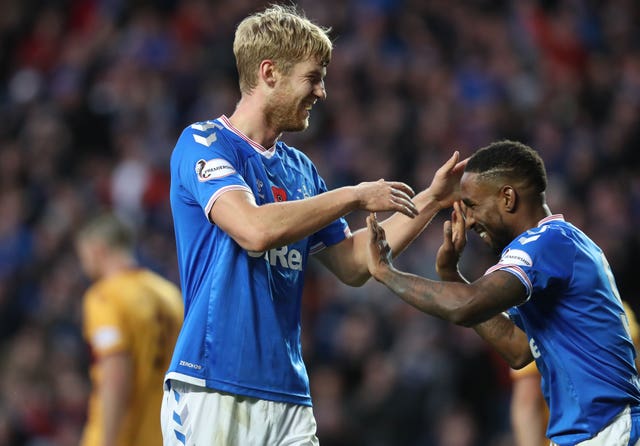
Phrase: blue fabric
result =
(576, 326)
(241, 332)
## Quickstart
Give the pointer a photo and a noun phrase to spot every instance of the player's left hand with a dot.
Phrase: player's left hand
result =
(453, 243)
(379, 251)
(445, 186)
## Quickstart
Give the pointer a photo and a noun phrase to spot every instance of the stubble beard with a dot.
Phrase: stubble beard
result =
(284, 114)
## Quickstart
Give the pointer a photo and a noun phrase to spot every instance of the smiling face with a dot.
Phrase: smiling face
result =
(484, 210)
(289, 105)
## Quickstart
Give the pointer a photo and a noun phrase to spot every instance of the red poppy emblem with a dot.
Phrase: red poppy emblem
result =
(279, 194)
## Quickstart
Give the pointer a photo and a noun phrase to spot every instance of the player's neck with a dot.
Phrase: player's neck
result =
(532, 217)
(116, 264)
(250, 119)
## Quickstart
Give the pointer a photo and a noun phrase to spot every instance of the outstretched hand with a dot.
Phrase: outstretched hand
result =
(386, 196)
(445, 186)
(379, 251)
(453, 243)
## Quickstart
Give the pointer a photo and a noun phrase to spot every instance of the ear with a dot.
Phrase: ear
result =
(268, 73)
(509, 198)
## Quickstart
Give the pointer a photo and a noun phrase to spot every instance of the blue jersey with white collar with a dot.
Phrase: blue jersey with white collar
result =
(576, 327)
(241, 332)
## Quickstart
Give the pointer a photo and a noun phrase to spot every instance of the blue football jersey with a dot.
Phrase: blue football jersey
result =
(576, 326)
(241, 332)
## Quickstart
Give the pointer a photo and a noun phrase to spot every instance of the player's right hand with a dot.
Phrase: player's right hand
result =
(453, 243)
(384, 195)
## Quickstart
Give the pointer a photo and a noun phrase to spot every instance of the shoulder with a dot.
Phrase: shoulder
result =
(201, 134)
(546, 236)
(294, 154)
(167, 287)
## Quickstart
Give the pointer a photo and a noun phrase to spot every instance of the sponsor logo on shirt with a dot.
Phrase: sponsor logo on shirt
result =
(284, 257)
(516, 257)
(191, 365)
(212, 169)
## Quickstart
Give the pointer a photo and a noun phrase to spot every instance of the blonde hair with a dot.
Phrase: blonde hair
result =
(279, 33)
(110, 229)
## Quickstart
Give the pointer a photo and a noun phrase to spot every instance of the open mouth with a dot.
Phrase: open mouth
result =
(484, 235)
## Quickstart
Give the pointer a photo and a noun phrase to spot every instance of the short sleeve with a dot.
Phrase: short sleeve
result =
(331, 234)
(541, 259)
(204, 167)
(104, 327)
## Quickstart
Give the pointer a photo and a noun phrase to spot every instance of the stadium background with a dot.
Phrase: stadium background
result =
(93, 94)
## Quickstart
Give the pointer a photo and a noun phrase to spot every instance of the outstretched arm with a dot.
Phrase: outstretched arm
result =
(348, 259)
(272, 225)
(478, 304)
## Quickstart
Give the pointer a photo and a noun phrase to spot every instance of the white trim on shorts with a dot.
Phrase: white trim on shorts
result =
(616, 433)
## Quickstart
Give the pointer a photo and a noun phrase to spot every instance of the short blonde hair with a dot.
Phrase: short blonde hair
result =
(110, 229)
(279, 33)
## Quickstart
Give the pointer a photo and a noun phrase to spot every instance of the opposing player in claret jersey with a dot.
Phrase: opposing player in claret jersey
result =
(560, 302)
(248, 211)
(131, 319)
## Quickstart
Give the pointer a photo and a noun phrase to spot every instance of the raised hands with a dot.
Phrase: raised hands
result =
(453, 243)
(445, 186)
(386, 196)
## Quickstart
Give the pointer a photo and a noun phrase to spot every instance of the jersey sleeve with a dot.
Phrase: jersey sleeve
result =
(104, 327)
(206, 168)
(541, 259)
(331, 234)
(530, 369)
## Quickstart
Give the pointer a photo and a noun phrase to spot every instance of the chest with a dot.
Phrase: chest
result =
(278, 179)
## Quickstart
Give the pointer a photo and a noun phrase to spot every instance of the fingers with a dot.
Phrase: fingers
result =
(459, 235)
(401, 195)
(405, 206)
(400, 199)
(447, 234)
(387, 196)
(400, 187)
(459, 167)
(451, 162)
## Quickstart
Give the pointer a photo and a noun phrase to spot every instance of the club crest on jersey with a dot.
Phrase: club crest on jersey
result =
(516, 257)
(279, 194)
(212, 169)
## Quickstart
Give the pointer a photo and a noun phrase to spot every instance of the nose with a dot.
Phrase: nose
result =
(320, 91)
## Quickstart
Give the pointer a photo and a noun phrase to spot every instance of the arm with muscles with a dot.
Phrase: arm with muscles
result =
(478, 304)
(114, 393)
(272, 225)
(529, 414)
(348, 259)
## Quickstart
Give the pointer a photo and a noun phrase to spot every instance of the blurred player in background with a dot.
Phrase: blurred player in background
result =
(131, 319)
(551, 297)
(529, 411)
(248, 210)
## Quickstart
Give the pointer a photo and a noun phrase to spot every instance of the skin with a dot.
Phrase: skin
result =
(498, 210)
(99, 260)
(528, 416)
(282, 102)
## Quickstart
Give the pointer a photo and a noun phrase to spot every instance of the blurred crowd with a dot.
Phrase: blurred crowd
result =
(94, 93)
